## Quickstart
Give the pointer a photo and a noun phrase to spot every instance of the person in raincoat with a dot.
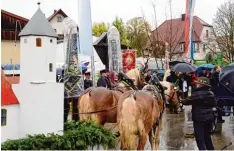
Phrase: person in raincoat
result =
(203, 106)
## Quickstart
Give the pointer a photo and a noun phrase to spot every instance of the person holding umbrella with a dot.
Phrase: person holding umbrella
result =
(183, 85)
(208, 74)
(172, 78)
(203, 73)
(203, 104)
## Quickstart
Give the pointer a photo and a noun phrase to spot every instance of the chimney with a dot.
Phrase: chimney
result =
(183, 17)
(55, 11)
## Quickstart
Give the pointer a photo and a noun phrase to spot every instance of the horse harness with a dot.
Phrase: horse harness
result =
(163, 99)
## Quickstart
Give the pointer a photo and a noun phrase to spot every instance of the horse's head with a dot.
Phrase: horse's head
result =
(143, 74)
(141, 78)
(171, 93)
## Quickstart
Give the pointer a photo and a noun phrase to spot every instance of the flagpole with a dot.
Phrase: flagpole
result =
(85, 32)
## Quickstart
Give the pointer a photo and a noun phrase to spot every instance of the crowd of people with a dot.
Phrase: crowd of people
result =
(103, 80)
(204, 88)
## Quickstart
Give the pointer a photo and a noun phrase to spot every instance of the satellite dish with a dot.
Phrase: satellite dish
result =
(69, 25)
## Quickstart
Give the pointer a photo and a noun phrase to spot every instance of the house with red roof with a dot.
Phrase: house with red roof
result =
(9, 110)
(172, 32)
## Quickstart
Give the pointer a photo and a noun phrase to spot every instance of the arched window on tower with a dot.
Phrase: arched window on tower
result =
(38, 42)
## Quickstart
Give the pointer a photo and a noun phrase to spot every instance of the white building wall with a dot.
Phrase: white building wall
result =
(34, 64)
(57, 25)
(11, 129)
(201, 54)
(41, 108)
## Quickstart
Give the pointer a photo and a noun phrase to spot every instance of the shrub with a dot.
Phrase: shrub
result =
(77, 136)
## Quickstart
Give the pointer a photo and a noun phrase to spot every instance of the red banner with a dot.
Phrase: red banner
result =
(128, 60)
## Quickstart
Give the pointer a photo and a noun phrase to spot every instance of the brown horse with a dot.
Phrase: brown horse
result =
(138, 114)
(171, 95)
(99, 104)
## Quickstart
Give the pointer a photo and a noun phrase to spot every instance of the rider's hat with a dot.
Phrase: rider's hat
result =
(103, 71)
(87, 73)
(203, 81)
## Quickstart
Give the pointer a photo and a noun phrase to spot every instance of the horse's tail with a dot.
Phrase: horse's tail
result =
(127, 124)
(86, 106)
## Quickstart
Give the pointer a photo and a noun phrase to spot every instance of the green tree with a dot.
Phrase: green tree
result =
(119, 24)
(137, 34)
(99, 28)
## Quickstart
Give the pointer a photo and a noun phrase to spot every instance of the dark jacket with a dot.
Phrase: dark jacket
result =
(172, 78)
(208, 75)
(202, 101)
(202, 74)
(215, 78)
(189, 80)
(102, 82)
(88, 83)
(214, 81)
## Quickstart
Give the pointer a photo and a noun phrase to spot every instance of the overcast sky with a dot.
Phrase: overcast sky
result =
(106, 10)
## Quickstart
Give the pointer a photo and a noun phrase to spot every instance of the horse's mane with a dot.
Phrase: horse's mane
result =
(166, 74)
(134, 73)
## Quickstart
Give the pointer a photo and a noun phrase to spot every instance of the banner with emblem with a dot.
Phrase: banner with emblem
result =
(73, 80)
(128, 60)
(114, 53)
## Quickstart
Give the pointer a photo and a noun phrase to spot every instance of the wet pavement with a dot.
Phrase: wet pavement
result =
(176, 126)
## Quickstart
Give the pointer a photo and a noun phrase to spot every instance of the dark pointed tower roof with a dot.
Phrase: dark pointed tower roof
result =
(38, 25)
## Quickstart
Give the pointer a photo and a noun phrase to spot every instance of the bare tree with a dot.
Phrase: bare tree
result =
(169, 35)
(224, 29)
(154, 46)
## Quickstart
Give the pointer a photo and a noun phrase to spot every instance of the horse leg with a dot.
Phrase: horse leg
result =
(176, 109)
(142, 140)
(151, 139)
(157, 132)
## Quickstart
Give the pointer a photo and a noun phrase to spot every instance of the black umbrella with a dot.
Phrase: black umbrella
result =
(172, 63)
(184, 67)
(227, 68)
(227, 77)
(226, 72)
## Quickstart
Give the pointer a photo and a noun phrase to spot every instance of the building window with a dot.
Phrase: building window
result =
(182, 47)
(51, 40)
(207, 34)
(38, 42)
(204, 47)
(4, 117)
(25, 41)
(196, 47)
(55, 30)
(59, 19)
(51, 67)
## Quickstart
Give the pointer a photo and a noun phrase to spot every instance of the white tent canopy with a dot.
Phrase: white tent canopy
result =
(60, 56)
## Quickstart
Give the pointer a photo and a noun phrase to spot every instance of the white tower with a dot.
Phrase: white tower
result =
(38, 43)
(40, 96)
